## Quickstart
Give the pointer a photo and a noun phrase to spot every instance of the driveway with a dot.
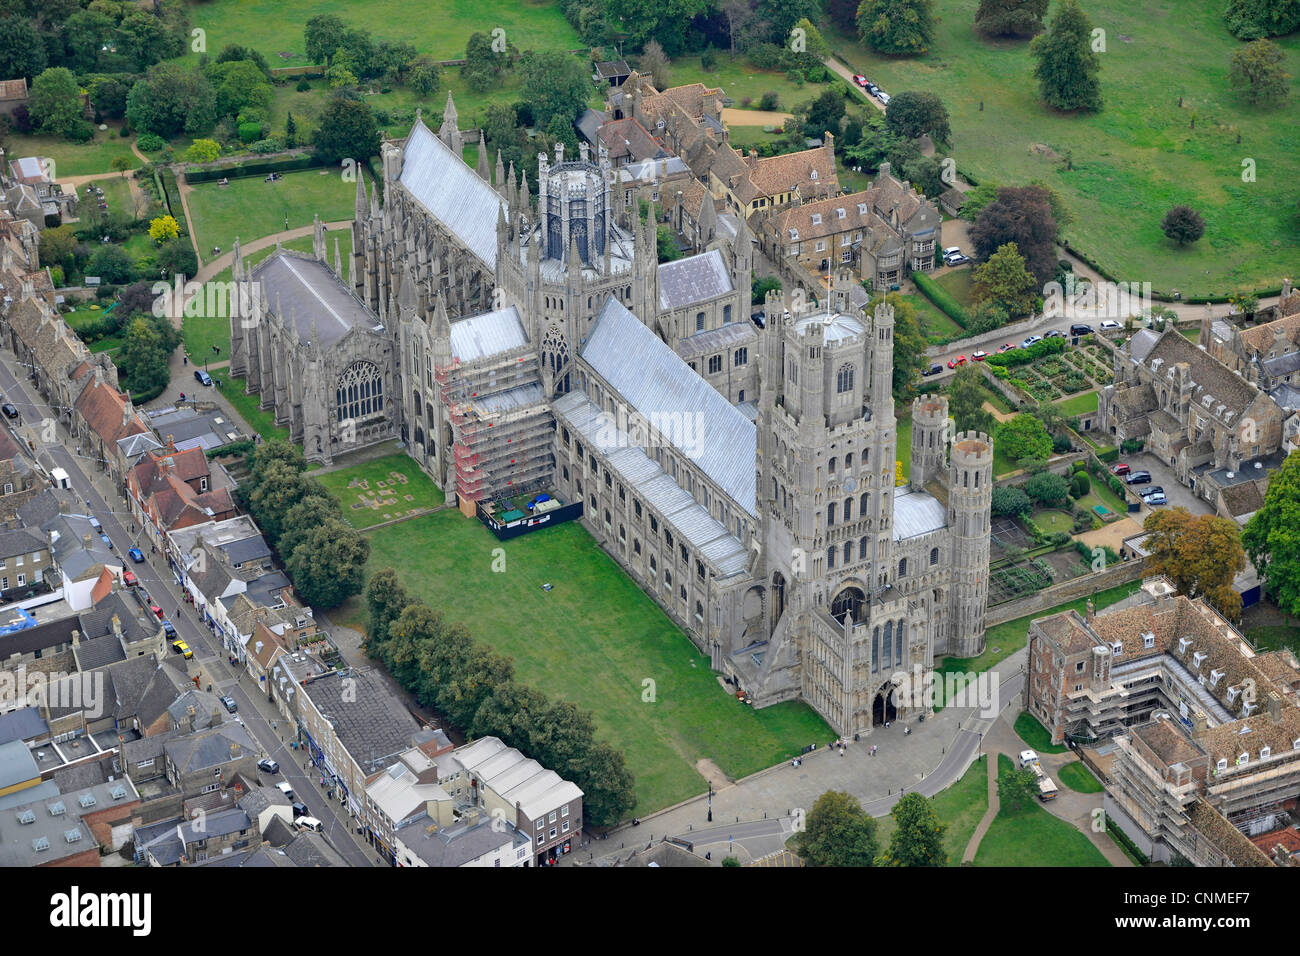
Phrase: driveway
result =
(1179, 495)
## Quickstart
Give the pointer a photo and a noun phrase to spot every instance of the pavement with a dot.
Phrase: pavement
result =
(108, 504)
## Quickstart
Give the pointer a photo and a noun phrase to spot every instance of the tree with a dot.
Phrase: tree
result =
(22, 52)
(666, 245)
(1258, 73)
(177, 257)
(143, 359)
(85, 34)
(170, 100)
(654, 62)
(323, 35)
(239, 84)
(347, 131)
(1004, 281)
(1023, 215)
(1254, 19)
(1067, 67)
(55, 103)
(966, 398)
(911, 114)
(234, 52)
(1183, 224)
(897, 26)
(738, 14)
(290, 132)
(386, 598)
(423, 76)
(557, 85)
(608, 787)
(1047, 489)
(483, 64)
(1272, 536)
(203, 151)
(1201, 554)
(1011, 501)
(1080, 485)
(341, 72)
(143, 38)
(1024, 437)
(918, 837)
(329, 564)
(164, 228)
(730, 861)
(1010, 18)
(112, 264)
(666, 21)
(58, 247)
(309, 513)
(837, 832)
(1017, 788)
(805, 47)
(844, 14)
(822, 114)
(109, 97)
(979, 197)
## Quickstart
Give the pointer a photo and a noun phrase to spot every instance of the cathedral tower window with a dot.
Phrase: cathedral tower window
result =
(359, 392)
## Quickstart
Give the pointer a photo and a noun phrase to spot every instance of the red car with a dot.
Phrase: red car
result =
(979, 355)
(128, 578)
(157, 610)
(1120, 469)
(959, 360)
(1005, 348)
(861, 80)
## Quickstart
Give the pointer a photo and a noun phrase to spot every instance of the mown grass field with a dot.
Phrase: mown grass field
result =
(440, 28)
(74, 159)
(366, 490)
(1033, 837)
(594, 639)
(1138, 157)
(960, 807)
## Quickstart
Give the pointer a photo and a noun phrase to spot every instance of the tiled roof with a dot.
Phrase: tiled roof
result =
(1212, 379)
(103, 407)
(694, 279)
(1260, 338)
(627, 137)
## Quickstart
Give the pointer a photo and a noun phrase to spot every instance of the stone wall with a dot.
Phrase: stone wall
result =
(1059, 465)
(1006, 333)
(1070, 590)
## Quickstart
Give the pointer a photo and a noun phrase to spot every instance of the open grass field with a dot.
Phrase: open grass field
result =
(1078, 405)
(381, 490)
(1033, 837)
(1274, 638)
(595, 639)
(960, 807)
(440, 28)
(251, 208)
(960, 284)
(1141, 154)
(262, 422)
(1079, 778)
(1035, 735)
(74, 159)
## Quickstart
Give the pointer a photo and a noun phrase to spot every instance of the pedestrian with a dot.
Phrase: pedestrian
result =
(185, 359)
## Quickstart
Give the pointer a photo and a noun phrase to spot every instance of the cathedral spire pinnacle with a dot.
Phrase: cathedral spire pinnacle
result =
(338, 261)
(500, 182)
(482, 159)
(362, 203)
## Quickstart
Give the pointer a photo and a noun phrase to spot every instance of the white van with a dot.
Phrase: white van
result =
(285, 789)
(1046, 789)
(309, 823)
(1027, 757)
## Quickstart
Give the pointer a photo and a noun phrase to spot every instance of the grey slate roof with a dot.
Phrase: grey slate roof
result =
(21, 541)
(311, 849)
(658, 384)
(208, 748)
(482, 336)
(99, 651)
(455, 194)
(454, 845)
(302, 289)
(371, 723)
(731, 335)
(24, 724)
(246, 549)
(1283, 364)
(916, 513)
(694, 279)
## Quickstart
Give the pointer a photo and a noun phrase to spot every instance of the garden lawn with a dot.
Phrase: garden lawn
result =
(251, 207)
(934, 323)
(1035, 735)
(1165, 66)
(1192, 332)
(1078, 405)
(1274, 638)
(960, 284)
(739, 79)
(595, 639)
(358, 490)
(961, 807)
(1033, 837)
(1053, 521)
(74, 159)
(262, 422)
(1079, 778)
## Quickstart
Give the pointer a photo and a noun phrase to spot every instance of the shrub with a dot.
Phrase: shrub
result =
(769, 101)
(1010, 500)
(266, 146)
(940, 297)
(1061, 444)
(124, 132)
(250, 132)
(1047, 489)
(150, 142)
(709, 59)
(303, 86)
(1079, 485)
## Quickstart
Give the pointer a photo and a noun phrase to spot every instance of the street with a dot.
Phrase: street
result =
(254, 709)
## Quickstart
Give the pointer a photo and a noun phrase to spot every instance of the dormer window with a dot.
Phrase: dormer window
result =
(1183, 644)
(794, 233)
(1265, 753)
(1148, 640)
(1116, 648)
(816, 219)
(840, 213)
(1198, 657)
(1243, 759)
(1247, 708)
(814, 174)
(1215, 676)
(862, 209)
(1295, 744)
(1233, 694)
(1223, 764)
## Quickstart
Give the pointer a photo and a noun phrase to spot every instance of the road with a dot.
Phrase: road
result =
(254, 710)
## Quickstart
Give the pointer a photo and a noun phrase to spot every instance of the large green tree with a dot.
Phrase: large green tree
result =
(837, 832)
(239, 84)
(85, 35)
(347, 131)
(1024, 437)
(1005, 281)
(1017, 788)
(897, 26)
(557, 85)
(323, 35)
(1272, 536)
(1014, 18)
(913, 113)
(1256, 19)
(483, 65)
(1258, 73)
(329, 564)
(917, 839)
(55, 103)
(170, 100)
(909, 348)
(22, 52)
(1201, 554)
(966, 398)
(144, 355)
(386, 598)
(1022, 215)
(1067, 67)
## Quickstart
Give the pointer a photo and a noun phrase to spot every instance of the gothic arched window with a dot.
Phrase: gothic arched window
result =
(555, 350)
(844, 379)
(359, 392)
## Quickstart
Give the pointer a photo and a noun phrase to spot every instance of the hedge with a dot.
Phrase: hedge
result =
(940, 297)
(258, 167)
(1024, 356)
(1122, 839)
(232, 449)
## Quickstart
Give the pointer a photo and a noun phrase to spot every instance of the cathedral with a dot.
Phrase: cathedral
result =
(743, 476)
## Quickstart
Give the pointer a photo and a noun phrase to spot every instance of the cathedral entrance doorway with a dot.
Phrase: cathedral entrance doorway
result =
(777, 598)
(883, 708)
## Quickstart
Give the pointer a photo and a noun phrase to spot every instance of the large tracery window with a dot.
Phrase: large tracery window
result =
(359, 393)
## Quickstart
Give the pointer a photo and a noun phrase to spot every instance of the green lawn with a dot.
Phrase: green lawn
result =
(904, 449)
(1053, 520)
(961, 807)
(739, 78)
(74, 159)
(1078, 405)
(1138, 157)
(251, 208)
(262, 422)
(1033, 837)
(381, 490)
(1192, 332)
(1079, 778)
(934, 323)
(1033, 733)
(1274, 638)
(210, 328)
(440, 28)
(960, 284)
(595, 639)
(1102, 495)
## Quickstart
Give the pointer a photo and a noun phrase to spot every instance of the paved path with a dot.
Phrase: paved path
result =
(737, 117)
(840, 69)
(986, 821)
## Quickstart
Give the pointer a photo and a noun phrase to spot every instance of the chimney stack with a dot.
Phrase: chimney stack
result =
(171, 445)
(1274, 707)
(117, 626)
(1091, 613)
(76, 638)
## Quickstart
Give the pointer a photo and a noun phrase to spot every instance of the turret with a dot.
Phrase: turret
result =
(970, 496)
(882, 361)
(929, 439)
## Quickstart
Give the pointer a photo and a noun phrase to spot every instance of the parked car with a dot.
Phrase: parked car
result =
(107, 540)
(861, 80)
(9, 410)
(1110, 325)
(959, 360)
(1120, 469)
(129, 579)
(183, 649)
(136, 555)
(1054, 334)
(1153, 490)
(979, 355)
(202, 377)
(229, 703)
(1030, 341)
(932, 370)
(1080, 329)
(168, 629)
(883, 97)
(156, 609)
(285, 788)
(1158, 499)
(267, 765)
(299, 809)
(1002, 349)
(1138, 478)
(872, 88)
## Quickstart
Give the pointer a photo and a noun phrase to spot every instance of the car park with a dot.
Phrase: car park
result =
(1121, 469)
(979, 355)
(136, 555)
(935, 369)
(267, 765)
(1080, 329)
(229, 703)
(1030, 341)
(202, 377)
(959, 360)
(183, 649)
(1138, 478)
